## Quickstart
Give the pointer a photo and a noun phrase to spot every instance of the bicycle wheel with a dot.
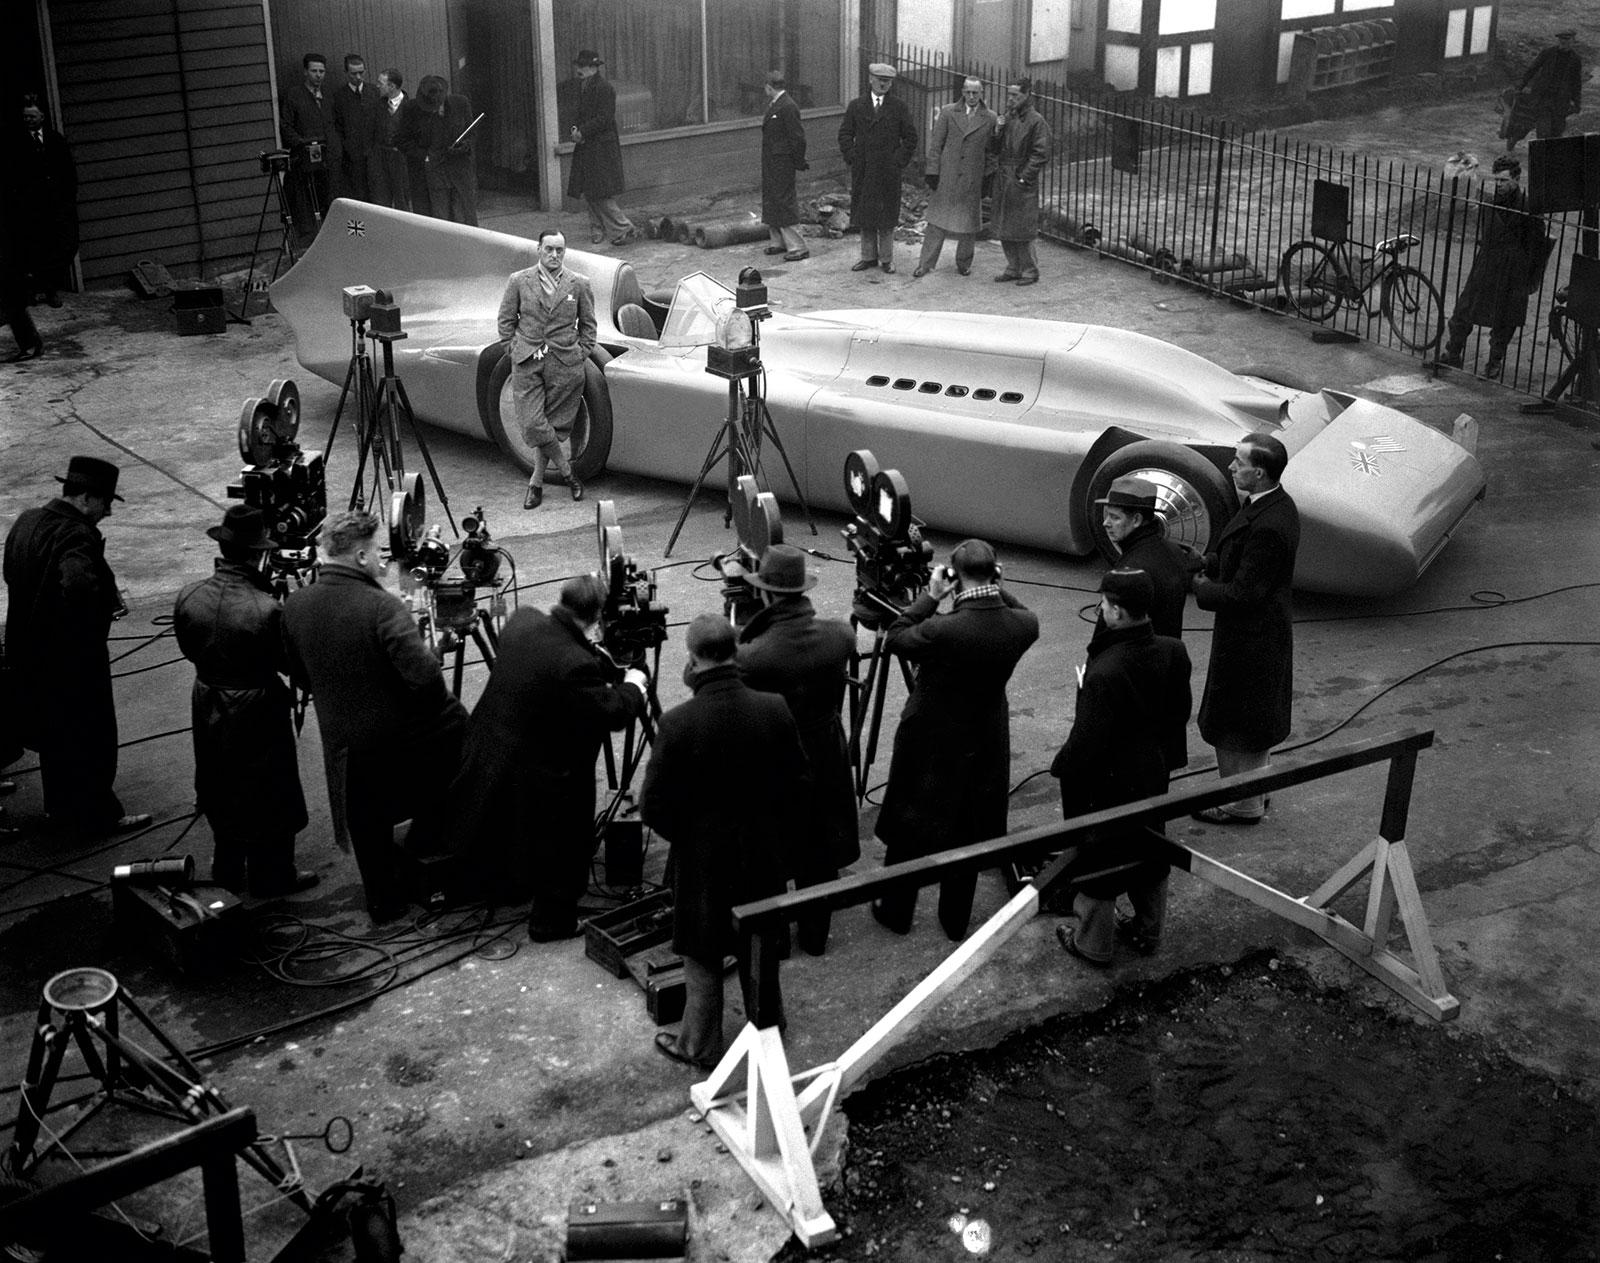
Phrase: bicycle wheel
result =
(1412, 307)
(1309, 278)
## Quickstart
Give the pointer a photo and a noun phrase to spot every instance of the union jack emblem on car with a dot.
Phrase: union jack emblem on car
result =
(1364, 454)
(355, 227)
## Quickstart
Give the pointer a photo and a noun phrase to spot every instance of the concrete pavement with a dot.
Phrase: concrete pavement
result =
(495, 1089)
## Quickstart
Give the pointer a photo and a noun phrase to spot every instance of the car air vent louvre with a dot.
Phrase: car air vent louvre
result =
(877, 379)
(904, 383)
(930, 388)
(983, 393)
(956, 392)
(1011, 396)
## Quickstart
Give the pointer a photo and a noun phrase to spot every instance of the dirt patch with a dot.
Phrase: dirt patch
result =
(1232, 1114)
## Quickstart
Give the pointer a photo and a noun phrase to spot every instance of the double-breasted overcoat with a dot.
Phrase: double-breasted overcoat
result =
(876, 145)
(1022, 145)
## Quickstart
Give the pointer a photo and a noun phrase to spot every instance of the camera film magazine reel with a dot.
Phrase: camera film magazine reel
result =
(880, 497)
(756, 518)
(408, 513)
(269, 424)
(613, 555)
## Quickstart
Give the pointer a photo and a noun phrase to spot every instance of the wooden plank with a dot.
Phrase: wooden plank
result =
(1403, 982)
(1415, 919)
(1380, 899)
(1397, 796)
(135, 91)
(149, 42)
(1215, 873)
(1348, 875)
(86, 131)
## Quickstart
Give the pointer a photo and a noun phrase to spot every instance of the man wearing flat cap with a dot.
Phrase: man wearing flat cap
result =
(949, 776)
(726, 786)
(1128, 734)
(63, 598)
(783, 153)
(1133, 525)
(786, 649)
(877, 139)
(246, 771)
(1550, 91)
(596, 175)
(1022, 142)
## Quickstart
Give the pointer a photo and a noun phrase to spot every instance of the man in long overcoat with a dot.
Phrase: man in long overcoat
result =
(246, 771)
(62, 600)
(726, 784)
(1503, 271)
(358, 122)
(596, 175)
(957, 160)
(305, 115)
(547, 319)
(1128, 734)
(39, 222)
(1550, 91)
(391, 731)
(948, 777)
(783, 153)
(1134, 526)
(430, 132)
(786, 649)
(1247, 583)
(877, 139)
(1022, 141)
(523, 808)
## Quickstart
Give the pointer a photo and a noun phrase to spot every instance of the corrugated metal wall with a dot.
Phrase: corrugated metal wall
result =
(168, 105)
(413, 37)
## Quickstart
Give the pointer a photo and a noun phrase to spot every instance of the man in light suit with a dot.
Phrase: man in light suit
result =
(547, 318)
(958, 157)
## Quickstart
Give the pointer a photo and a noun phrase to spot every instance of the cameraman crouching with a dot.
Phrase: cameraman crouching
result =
(246, 771)
(786, 649)
(391, 731)
(524, 804)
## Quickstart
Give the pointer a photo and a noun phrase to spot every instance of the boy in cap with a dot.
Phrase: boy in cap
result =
(1128, 733)
(63, 598)
(726, 784)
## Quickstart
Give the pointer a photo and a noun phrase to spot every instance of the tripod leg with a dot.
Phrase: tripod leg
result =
(860, 706)
(483, 637)
(772, 433)
(350, 378)
(880, 689)
(720, 447)
(458, 668)
(44, 1063)
(427, 456)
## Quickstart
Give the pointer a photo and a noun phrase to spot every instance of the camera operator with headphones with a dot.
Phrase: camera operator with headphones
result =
(523, 818)
(952, 751)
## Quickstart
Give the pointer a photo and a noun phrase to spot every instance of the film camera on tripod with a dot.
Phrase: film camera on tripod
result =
(445, 584)
(288, 484)
(633, 622)
(893, 560)
(759, 524)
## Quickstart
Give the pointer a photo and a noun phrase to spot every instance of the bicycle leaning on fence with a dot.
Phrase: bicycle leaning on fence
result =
(1317, 280)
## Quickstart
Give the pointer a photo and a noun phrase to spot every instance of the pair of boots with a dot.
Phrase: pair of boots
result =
(1454, 356)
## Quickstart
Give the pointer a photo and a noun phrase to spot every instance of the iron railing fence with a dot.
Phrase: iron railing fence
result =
(1204, 202)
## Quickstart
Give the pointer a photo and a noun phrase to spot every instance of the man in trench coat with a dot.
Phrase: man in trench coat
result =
(786, 649)
(1022, 141)
(522, 816)
(958, 158)
(877, 139)
(726, 783)
(1247, 582)
(783, 153)
(596, 174)
(948, 777)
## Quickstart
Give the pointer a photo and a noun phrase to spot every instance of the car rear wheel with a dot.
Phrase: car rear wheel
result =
(1193, 497)
(591, 432)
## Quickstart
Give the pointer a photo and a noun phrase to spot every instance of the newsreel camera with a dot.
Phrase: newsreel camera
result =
(633, 623)
(759, 525)
(448, 610)
(893, 560)
(289, 485)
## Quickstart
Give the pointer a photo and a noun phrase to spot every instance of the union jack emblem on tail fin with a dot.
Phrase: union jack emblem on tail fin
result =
(1364, 453)
(355, 228)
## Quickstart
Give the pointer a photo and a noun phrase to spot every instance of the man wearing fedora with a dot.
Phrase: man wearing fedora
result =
(1128, 734)
(596, 175)
(877, 139)
(246, 771)
(726, 786)
(786, 649)
(1132, 523)
(949, 774)
(63, 598)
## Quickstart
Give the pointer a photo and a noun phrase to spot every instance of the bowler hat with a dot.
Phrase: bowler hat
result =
(244, 526)
(1131, 589)
(1129, 492)
(783, 569)
(91, 474)
(881, 69)
(588, 57)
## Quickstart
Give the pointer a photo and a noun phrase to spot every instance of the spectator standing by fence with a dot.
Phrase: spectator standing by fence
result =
(957, 162)
(1550, 92)
(877, 139)
(1023, 143)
